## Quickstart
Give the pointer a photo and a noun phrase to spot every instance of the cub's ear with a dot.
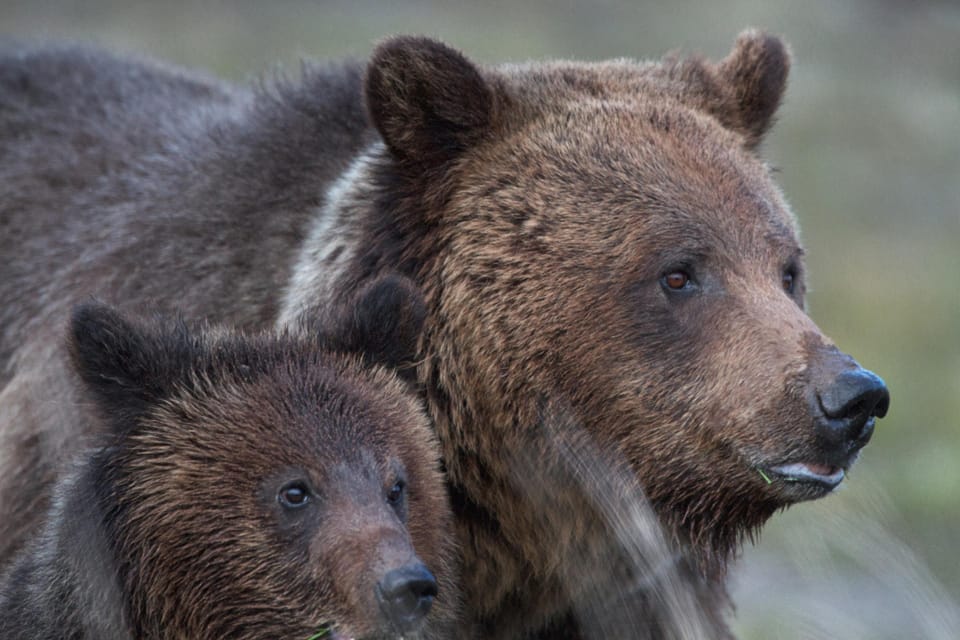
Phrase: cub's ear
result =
(427, 100)
(383, 322)
(755, 76)
(126, 366)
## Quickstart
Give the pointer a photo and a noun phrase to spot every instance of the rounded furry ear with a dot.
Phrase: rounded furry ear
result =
(126, 366)
(389, 316)
(755, 73)
(427, 100)
(383, 322)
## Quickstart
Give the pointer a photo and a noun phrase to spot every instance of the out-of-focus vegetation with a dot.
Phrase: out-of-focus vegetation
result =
(868, 146)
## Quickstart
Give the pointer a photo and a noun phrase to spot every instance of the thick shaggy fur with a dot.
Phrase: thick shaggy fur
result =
(173, 528)
(539, 207)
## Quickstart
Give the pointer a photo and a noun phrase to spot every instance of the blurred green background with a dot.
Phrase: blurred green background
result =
(868, 147)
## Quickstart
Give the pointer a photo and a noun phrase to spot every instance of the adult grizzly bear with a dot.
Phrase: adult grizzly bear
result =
(607, 265)
(245, 487)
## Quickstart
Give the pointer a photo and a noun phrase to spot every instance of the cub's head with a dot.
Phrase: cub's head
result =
(607, 233)
(271, 486)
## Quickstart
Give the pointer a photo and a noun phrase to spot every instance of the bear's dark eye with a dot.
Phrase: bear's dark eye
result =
(395, 495)
(676, 280)
(789, 281)
(294, 495)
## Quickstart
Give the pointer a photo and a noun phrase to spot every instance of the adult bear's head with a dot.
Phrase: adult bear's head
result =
(606, 233)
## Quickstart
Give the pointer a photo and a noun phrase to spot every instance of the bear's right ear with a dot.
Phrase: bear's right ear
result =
(383, 322)
(127, 367)
(427, 100)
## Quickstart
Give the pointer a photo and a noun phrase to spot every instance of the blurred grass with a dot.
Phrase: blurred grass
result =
(869, 150)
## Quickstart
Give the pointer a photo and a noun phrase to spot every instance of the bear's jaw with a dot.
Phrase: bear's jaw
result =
(712, 533)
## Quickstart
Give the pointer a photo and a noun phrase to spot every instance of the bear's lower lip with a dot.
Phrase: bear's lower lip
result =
(824, 474)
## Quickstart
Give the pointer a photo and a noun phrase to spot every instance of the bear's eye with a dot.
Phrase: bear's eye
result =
(789, 281)
(294, 495)
(675, 280)
(395, 495)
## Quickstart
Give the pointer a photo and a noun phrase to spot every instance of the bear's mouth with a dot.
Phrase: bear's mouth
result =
(826, 476)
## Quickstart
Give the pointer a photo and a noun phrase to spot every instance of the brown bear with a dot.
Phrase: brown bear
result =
(614, 291)
(244, 487)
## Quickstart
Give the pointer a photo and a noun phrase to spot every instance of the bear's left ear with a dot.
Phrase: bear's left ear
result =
(755, 76)
(127, 367)
(382, 322)
(427, 100)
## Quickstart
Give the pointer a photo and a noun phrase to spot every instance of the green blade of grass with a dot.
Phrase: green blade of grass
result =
(764, 476)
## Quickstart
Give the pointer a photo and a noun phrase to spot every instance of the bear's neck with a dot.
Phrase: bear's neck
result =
(711, 527)
(374, 220)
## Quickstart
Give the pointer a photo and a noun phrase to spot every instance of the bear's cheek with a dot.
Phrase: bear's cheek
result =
(717, 376)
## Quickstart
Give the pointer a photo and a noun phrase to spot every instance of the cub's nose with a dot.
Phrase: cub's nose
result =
(850, 406)
(406, 594)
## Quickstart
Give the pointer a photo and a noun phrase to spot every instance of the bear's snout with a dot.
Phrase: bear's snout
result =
(848, 400)
(406, 595)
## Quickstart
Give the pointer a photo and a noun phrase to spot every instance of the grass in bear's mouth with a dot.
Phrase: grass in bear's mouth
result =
(322, 633)
(764, 476)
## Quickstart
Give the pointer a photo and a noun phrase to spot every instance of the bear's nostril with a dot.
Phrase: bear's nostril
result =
(854, 393)
(406, 594)
(850, 404)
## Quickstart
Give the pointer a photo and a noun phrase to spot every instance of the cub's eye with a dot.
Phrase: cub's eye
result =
(395, 495)
(788, 281)
(675, 280)
(294, 495)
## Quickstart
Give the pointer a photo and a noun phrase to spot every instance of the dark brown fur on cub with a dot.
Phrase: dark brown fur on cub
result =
(246, 487)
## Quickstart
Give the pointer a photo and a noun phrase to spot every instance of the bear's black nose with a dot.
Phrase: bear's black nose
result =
(405, 595)
(849, 407)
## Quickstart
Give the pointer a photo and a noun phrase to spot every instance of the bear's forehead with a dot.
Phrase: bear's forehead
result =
(540, 84)
(292, 413)
(212, 436)
(612, 164)
(620, 121)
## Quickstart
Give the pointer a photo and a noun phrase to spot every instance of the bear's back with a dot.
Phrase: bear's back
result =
(116, 171)
(152, 189)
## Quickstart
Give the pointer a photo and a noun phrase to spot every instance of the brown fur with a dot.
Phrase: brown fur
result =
(539, 207)
(539, 221)
(205, 430)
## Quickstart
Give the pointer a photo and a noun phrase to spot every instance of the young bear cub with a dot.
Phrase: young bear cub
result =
(263, 486)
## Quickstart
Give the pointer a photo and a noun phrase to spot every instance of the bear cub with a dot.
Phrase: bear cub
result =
(246, 486)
